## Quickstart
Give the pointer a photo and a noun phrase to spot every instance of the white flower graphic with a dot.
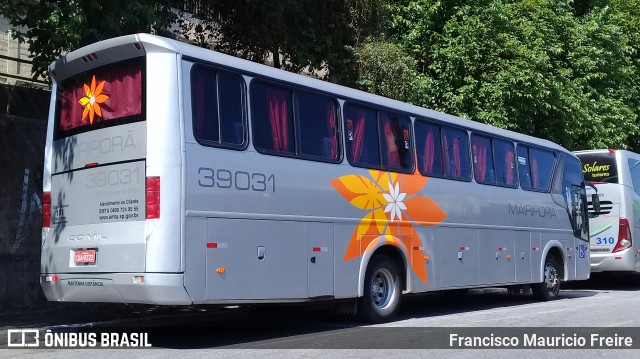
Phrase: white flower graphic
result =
(395, 198)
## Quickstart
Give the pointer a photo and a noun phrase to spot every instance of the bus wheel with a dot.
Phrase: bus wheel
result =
(550, 286)
(381, 300)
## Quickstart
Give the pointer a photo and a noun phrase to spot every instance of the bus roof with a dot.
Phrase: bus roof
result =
(62, 68)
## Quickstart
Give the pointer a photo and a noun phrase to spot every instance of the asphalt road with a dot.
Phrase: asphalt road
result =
(604, 306)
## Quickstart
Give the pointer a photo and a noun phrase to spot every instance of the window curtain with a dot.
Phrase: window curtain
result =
(122, 84)
(331, 127)
(277, 101)
(509, 167)
(393, 157)
(479, 150)
(534, 172)
(456, 157)
(358, 137)
(447, 159)
(429, 152)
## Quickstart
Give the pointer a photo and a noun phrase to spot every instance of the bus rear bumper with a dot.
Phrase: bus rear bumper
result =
(146, 288)
(624, 261)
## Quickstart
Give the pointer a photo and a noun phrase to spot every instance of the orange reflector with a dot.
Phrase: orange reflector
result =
(220, 270)
(508, 256)
(426, 258)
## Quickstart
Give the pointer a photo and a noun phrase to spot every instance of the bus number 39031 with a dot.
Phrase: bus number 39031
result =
(240, 180)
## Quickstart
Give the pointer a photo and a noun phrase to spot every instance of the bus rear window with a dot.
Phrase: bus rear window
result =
(599, 167)
(102, 97)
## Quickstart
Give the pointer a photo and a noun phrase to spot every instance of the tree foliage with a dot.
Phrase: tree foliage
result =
(386, 69)
(566, 70)
(533, 66)
(53, 27)
(319, 36)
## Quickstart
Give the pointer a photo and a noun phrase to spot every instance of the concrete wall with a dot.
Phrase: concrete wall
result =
(23, 117)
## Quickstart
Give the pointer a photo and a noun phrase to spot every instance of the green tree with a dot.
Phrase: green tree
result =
(386, 69)
(319, 36)
(532, 66)
(629, 11)
(53, 27)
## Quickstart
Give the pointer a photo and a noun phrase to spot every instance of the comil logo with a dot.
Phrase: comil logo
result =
(23, 338)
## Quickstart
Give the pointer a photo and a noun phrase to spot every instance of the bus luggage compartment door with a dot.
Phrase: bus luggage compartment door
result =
(256, 259)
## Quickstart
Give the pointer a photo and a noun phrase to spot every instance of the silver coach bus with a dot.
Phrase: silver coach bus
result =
(616, 175)
(178, 175)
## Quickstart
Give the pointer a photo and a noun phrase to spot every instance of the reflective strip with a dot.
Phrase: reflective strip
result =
(216, 245)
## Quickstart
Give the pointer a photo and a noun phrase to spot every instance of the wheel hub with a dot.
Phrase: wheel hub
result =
(551, 277)
(382, 288)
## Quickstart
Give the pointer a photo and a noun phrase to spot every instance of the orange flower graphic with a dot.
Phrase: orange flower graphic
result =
(393, 211)
(91, 102)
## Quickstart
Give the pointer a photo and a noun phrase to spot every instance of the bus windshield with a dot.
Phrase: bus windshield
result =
(599, 167)
(103, 97)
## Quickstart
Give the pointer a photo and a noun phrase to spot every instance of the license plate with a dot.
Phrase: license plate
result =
(85, 256)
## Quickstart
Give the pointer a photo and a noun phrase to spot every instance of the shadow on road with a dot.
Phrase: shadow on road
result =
(201, 327)
(608, 281)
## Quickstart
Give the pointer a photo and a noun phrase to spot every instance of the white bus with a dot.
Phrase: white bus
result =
(178, 175)
(616, 175)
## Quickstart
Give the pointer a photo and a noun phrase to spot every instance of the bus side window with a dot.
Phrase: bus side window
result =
(455, 148)
(395, 141)
(634, 169)
(230, 90)
(535, 167)
(217, 107)
(204, 105)
(523, 167)
(482, 159)
(361, 135)
(542, 163)
(505, 157)
(429, 146)
(316, 119)
(272, 118)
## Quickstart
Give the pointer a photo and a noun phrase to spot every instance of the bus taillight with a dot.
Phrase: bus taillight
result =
(153, 198)
(624, 236)
(46, 209)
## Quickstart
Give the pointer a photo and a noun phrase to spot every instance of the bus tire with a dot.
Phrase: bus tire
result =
(549, 289)
(381, 299)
